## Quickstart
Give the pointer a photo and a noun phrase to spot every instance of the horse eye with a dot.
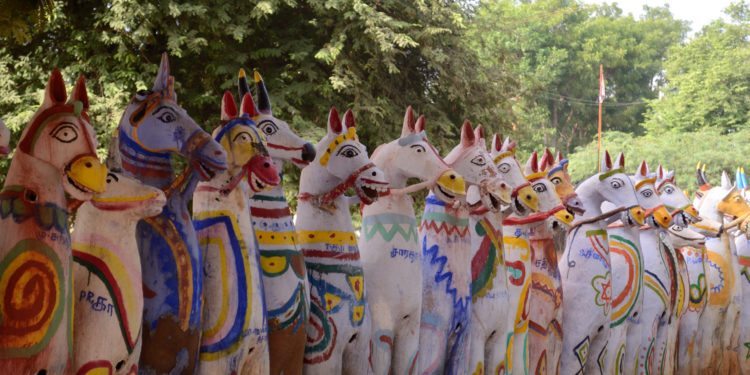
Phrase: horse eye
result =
(540, 188)
(647, 193)
(616, 184)
(556, 180)
(65, 133)
(669, 190)
(167, 117)
(503, 168)
(269, 128)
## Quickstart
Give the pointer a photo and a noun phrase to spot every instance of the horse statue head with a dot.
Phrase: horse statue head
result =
(283, 143)
(61, 141)
(341, 162)
(424, 162)
(247, 155)
(716, 202)
(154, 126)
(471, 159)
(4, 139)
(503, 155)
(557, 173)
(612, 185)
(645, 188)
(550, 204)
(675, 200)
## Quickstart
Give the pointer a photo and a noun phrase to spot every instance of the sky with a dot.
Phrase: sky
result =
(698, 12)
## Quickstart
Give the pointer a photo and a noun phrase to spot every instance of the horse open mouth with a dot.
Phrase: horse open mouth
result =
(257, 184)
(369, 193)
(445, 193)
(78, 186)
(519, 207)
(206, 170)
(494, 202)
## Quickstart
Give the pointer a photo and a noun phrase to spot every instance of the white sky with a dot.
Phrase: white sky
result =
(698, 12)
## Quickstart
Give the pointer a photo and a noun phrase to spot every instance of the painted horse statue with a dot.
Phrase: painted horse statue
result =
(338, 332)
(389, 247)
(585, 268)
(544, 295)
(54, 167)
(283, 266)
(719, 321)
(107, 275)
(235, 334)
(153, 128)
(4, 139)
(446, 257)
(629, 260)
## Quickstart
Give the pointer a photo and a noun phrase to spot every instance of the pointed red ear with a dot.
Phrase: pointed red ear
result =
(228, 107)
(467, 134)
(419, 126)
(248, 105)
(559, 156)
(349, 119)
(620, 160)
(660, 172)
(534, 162)
(334, 121)
(607, 162)
(497, 142)
(643, 169)
(479, 132)
(79, 93)
(546, 162)
(55, 93)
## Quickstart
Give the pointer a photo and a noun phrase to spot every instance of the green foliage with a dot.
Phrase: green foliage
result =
(708, 79)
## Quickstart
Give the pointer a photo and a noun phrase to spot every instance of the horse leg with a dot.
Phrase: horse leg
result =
(477, 341)
(356, 353)
(617, 347)
(433, 336)
(597, 362)
(494, 351)
(383, 339)
(406, 347)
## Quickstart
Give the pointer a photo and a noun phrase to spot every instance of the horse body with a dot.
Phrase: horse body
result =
(54, 165)
(390, 249)
(107, 276)
(586, 272)
(235, 334)
(445, 240)
(283, 265)
(152, 128)
(338, 331)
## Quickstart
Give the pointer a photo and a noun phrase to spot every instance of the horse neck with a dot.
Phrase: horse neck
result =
(91, 221)
(399, 204)
(38, 176)
(315, 179)
(591, 199)
(383, 159)
(234, 201)
(152, 168)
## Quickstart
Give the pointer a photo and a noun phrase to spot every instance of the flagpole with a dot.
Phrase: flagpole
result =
(599, 128)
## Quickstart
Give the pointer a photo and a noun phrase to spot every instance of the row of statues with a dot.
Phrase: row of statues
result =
(511, 269)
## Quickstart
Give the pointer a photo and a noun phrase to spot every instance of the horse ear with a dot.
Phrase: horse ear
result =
(420, 125)
(726, 182)
(55, 92)
(334, 121)
(559, 156)
(643, 169)
(660, 172)
(532, 165)
(264, 101)
(228, 107)
(248, 106)
(80, 93)
(242, 86)
(467, 134)
(479, 133)
(670, 176)
(497, 142)
(546, 161)
(620, 161)
(349, 119)
(700, 175)
(161, 82)
(606, 162)
(408, 127)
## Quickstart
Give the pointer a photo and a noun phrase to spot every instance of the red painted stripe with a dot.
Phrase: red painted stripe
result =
(330, 254)
(270, 213)
(132, 168)
(110, 279)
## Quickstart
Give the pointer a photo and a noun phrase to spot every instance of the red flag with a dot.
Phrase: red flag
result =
(601, 85)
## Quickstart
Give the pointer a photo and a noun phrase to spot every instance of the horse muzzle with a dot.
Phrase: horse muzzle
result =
(451, 184)
(261, 173)
(87, 174)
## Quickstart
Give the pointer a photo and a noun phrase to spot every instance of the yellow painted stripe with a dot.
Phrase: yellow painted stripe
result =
(330, 237)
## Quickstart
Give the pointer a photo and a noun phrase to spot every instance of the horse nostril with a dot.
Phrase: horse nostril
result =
(453, 177)
(88, 164)
(217, 152)
(374, 173)
(528, 197)
(266, 165)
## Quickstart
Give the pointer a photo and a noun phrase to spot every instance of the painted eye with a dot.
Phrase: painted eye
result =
(669, 190)
(616, 183)
(167, 117)
(479, 160)
(65, 133)
(269, 128)
(243, 137)
(539, 188)
(647, 193)
(348, 152)
(504, 168)
(111, 178)
(418, 148)
(676, 228)
(556, 180)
